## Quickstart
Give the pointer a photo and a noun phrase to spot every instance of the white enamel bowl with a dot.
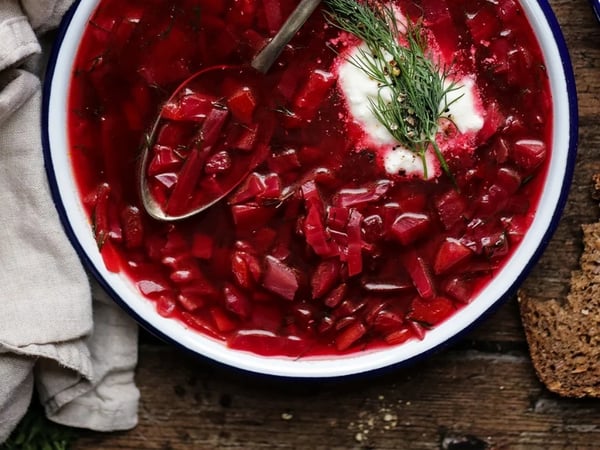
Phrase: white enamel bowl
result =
(77, 224)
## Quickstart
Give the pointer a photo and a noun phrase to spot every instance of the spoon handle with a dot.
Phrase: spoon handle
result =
(267, 56)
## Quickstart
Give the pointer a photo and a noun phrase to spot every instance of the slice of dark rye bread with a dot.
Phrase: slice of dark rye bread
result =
(564, 336)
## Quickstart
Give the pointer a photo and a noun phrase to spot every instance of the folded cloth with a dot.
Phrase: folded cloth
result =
(58, 332)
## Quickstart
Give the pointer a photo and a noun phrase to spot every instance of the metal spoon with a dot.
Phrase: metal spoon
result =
(262, 62)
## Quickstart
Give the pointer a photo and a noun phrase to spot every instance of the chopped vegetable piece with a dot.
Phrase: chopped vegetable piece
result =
(431, 312)
(420, 274)
(350, 335)
(280, 278)
(450, 254)
(242, 105)
(409, 227)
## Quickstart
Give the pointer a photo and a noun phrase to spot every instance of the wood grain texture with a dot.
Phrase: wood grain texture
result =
(480, 393)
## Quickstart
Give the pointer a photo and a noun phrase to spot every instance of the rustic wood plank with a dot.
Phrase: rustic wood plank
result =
(187, 403)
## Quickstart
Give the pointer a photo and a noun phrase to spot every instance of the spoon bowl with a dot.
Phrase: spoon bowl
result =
(211, 132)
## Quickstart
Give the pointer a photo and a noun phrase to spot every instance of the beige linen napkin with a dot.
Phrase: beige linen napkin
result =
(56, 332)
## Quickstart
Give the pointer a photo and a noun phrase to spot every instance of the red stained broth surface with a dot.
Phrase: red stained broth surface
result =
(318, 251)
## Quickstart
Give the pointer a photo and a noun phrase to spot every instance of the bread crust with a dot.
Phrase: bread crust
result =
(564, 335)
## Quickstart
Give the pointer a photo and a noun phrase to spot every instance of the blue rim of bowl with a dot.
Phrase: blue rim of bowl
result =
(596, 7)
(510, 292)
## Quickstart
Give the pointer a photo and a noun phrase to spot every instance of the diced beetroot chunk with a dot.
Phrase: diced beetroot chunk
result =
(273, 15)
(272, 187)
(355, 262)
(324, 277)
(373, 229)
(164, 159)
(350, 335)
(373, 307)
(488, 238)
(494, 119)
(529, 153)
(242, 104)
(516, 227)
(254, 40)
(509, 179)
(288, 83)
(202, 246)
(312, 94)
(186, 182)
(222, 321)
(165, 306)
(399, 336)
(311, 194)
(247, 138)
(264, 239)
(280, 278)
(175, 245)
(190, 106)
(201, 287)
(439, 20)
(251, 216)
(491, 201)
(245, 269)
(326, 324)
(349, 308)
(430, 312)
(412, 201)
(417, 329)
(419, 273)
(337, 217)
(451, 208)
(304, 314)
(449, 255)
(386, 321)
(236, 301)
(371, 193)
(344, 322)
(100, 213)
(212, 126)
(133, 229)
(250, 189)
(315, 232)
(458, 288)
(218, 163)
(285, 161)
(199, 323)
(483, 25)
(409, 227)
(172, 134)
(336, 296)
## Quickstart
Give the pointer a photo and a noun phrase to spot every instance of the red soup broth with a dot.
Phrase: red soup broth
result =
(318, 251)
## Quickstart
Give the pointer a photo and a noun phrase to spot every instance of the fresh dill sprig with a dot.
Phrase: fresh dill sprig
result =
(413, 88)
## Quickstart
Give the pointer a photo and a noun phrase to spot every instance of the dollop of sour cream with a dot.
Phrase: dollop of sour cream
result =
(359, 91)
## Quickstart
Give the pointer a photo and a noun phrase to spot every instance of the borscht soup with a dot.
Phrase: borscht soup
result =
(373, 181)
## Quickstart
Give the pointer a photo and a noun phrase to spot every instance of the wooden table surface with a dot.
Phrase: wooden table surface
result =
(480, 393)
